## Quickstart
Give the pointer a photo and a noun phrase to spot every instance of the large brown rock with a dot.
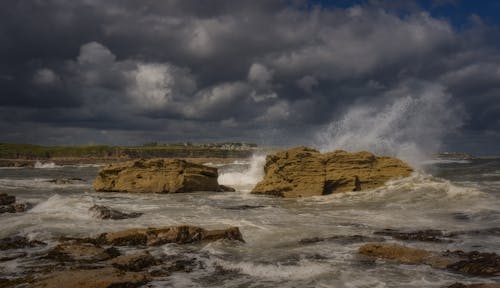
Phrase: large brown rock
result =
(163, 235)
(157, 176)
(302, 172)
(471, 263)
(95, 278)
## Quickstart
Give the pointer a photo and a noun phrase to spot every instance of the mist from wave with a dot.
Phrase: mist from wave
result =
(410, 123)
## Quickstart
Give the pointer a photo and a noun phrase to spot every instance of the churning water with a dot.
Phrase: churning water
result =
(449, 196)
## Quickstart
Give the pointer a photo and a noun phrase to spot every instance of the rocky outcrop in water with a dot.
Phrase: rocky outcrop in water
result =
(158, 176)
(8, 204)
(101, 262)
(104, 212)
(471, 263)
(163, 235)
(302, 172)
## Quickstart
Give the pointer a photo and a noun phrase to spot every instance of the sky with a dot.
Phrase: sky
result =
(271, 72)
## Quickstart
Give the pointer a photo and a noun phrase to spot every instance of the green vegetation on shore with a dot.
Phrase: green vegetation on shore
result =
(30, 151)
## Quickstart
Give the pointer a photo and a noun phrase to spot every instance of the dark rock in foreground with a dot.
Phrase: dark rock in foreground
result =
(158, 176)
(302, 172)
(8, 204)
(18, 242)
(103, 212)
(96, 278)
(6, 199)
(471, 263)
(163, 235)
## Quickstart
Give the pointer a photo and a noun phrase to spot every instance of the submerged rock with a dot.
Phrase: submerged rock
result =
(95, 278)
(301, 172)
(430, 235)
(103, 212)
(341, 239)
(65, 181)
(163, 235)
(158, 176)
(471, 263)
(6, 199)
(8, 204)
(18, 242)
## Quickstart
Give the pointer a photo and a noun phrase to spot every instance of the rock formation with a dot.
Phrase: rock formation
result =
(8, 204)
(471, 263)
(158, 176)
(163, 235)
(104, 212)
(301, 172)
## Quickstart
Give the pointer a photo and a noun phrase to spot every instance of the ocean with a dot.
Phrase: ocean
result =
(309, 242)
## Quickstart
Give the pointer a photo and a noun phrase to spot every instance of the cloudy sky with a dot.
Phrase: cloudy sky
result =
(270, 72)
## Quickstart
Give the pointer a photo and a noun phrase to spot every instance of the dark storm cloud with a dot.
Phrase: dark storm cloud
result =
(110, 71)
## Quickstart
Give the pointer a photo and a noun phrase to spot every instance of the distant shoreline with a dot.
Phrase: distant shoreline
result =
(26, 155)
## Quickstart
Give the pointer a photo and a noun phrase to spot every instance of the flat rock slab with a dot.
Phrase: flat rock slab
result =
(81, 252)
(163, 235)
(471, 263)
(95, 278)
(158, 176)
(303, 172)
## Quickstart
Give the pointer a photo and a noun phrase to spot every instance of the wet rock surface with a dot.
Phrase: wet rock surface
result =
(158, 176)
(82, 252)
(244, 207)
(8, 204)
(163, 235)
(65, 181)
(96, 262)
(18, 242)
(104, 212)
(342, 239)
(93, 278)
(430, 235)
(302, 172)
(470, 263)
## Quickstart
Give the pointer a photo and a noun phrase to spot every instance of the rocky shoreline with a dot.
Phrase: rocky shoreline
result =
(125, 258)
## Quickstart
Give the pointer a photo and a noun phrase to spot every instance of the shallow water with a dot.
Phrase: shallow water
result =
(447, 195)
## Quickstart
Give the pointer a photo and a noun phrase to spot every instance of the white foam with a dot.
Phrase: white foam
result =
(65, 207)
(46, 165)
(304, 270)
(247, 178)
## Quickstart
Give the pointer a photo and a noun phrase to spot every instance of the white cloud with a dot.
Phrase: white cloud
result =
(45, 76)
(95, 53)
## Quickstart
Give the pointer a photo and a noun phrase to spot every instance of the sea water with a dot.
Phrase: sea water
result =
(444, 195)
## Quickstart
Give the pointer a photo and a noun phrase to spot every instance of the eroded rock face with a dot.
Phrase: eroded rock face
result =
(163, 235)
(302, 172)
(95, 278)
(158, 176)
(471, 263)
